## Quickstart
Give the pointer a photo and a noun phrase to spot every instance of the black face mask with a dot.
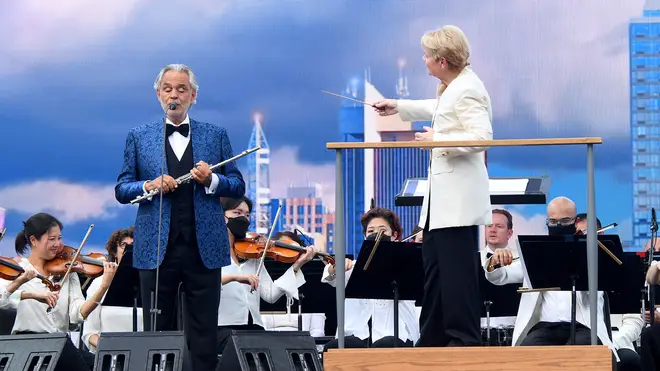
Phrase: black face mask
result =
(239, 226)
(562, 230)
(384, 237)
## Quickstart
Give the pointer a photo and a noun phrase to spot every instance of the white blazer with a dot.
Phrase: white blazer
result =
(529, 310)
(458, 179)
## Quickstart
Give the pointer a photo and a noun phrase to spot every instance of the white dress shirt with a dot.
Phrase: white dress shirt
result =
(32, 315)
(236, 301)
(107, 318)
(179, 143)
(359, 311)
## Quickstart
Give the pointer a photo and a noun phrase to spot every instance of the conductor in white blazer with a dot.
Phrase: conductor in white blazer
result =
(458, 199)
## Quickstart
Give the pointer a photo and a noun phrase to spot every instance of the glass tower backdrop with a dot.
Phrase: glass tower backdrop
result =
(258, 179)
(644, 41)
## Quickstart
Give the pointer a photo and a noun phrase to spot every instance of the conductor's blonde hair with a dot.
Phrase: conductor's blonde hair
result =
(448, 42)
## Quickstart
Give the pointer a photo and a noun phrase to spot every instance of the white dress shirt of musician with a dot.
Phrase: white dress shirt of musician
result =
(550, 306)
(31, 298)
(240, 277)
(498, 236)
(109, 318)
(359, 311)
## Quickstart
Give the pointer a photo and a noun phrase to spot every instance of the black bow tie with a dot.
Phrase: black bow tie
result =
(183, 129)
(488, 255)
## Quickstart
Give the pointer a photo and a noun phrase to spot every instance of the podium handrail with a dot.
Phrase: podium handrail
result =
(340, 233)
(467, 143)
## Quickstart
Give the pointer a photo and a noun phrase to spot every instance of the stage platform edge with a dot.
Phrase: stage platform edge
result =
(546, 358)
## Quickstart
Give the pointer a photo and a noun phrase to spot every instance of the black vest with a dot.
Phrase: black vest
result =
(182, 220)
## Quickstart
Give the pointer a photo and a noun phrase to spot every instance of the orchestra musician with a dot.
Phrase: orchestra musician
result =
(458, 199)
(194, 243)
(117, 319)
(650, 338)
(544, 317)
(380, 312)
(42, 235)
(242, 288)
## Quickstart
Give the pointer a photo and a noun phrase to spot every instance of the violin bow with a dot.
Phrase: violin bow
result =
(75, 256)
(270, 235)
(373, 251)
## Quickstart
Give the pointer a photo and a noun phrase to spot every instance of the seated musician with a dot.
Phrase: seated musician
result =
(360, 311)
(239, 307)
(650, 338)
(117, 319)
(544, 318)
(42, 233)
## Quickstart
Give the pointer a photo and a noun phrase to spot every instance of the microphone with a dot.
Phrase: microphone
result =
(654, 221)
(154, 311)
(303, 238)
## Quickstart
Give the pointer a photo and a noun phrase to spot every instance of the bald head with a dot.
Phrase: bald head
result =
(561, 207)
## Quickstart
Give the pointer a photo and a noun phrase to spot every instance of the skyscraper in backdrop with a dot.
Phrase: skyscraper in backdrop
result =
(644, 44)
(258, 178)
(376, 174)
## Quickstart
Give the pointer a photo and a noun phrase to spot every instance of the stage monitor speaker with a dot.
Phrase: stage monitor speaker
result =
(40, 352)
(123, 351)
(270, 351)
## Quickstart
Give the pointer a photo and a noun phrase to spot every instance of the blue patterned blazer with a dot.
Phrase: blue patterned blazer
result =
(142, 162)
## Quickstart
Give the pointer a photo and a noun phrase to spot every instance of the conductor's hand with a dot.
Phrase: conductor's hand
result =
(169, 184)
(386, 107)
(202, 173)
(502, 257)
(248, 279)
(349, 265)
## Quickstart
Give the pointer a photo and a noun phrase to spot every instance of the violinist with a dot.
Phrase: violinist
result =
(42, 233)
(242, 289)
(117, 319)
(360, 311)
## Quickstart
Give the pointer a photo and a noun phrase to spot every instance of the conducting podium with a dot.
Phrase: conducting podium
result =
(559, 263)
(388, 270)
(503, 191)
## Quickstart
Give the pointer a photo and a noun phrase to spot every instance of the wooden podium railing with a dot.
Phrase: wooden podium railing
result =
(340, 233)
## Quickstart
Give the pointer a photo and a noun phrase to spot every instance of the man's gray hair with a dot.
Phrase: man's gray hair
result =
(179, 68)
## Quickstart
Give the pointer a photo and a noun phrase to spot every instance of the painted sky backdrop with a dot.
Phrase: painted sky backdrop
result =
(77, 75)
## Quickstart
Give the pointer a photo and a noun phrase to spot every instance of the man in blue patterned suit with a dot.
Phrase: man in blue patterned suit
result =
(194, 241)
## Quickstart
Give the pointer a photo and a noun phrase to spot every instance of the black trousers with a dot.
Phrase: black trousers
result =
(557, 333)
(451, 308)
(650, 348)
(183, 265)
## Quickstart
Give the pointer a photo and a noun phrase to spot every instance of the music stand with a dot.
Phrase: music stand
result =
(559, 263)
(124, 290)
(499, 301)
(394, 273)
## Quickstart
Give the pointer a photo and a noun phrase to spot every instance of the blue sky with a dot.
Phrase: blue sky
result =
(76, 78)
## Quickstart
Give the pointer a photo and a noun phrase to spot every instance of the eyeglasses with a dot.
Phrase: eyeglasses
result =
(555, 222)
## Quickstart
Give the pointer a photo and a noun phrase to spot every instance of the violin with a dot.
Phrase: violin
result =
(284, 250)
(10, 270)
(91, 265)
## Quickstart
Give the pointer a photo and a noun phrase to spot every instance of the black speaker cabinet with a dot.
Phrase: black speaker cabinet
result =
(124, 351)
(40, 352)
(270, 351)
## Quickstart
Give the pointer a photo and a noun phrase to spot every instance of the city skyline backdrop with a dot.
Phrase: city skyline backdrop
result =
(73, 88)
